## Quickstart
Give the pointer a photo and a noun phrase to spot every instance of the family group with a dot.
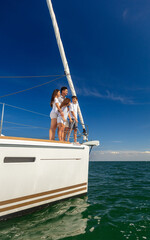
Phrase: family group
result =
(62, 110)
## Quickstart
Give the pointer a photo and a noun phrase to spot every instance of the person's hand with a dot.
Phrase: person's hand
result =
(71, 120)
(64, 119)
(62, 114)
(76, 120)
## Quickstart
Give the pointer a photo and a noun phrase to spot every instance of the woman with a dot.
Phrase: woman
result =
(54, 113)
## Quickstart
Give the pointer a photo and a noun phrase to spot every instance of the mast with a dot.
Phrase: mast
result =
(64, 61)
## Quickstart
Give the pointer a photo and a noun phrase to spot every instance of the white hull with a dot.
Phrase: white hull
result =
(37, 172)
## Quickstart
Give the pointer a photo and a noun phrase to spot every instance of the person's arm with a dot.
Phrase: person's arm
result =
(59, 109)
(69, 117)
(63, 119)
(74, 116)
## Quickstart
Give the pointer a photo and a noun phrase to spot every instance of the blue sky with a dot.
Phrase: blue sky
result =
(108, 51)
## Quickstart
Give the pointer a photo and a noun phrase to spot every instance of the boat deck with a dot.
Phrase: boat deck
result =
(33, 139)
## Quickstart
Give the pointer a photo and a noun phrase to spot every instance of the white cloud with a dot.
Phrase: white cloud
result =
(120, 156)
(114, 152)
(108, 95)
(135, 14)
(125, 13)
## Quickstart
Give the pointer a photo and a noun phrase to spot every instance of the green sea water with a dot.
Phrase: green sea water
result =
(117, 208)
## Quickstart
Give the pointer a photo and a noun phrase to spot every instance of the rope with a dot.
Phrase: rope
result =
(26, 110)
(32, 87)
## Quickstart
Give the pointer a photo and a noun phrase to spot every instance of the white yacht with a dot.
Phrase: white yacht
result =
(36, 172)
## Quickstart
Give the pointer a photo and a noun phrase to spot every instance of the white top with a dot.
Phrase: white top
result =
(65, 111)
(55, 109)
(73, 108)
(61, 99)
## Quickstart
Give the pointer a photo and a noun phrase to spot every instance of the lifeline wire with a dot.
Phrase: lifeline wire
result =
(32, 87)
(25, 125)
(25, 110)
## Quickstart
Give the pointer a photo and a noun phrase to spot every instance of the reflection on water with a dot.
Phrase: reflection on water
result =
(62, 220)
(117, 208)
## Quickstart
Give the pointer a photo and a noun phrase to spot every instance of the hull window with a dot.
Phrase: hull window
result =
(18, 159)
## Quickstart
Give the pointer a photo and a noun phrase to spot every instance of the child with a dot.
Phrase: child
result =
(74, 117)
(63, 118)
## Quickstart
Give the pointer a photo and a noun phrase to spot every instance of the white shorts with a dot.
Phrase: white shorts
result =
(67, 124)
(59, 120)
(53, 115)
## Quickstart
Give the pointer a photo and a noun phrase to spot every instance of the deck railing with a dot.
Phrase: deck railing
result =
(9, 124)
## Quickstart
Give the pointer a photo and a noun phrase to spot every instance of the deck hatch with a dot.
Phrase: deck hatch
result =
(18, 159)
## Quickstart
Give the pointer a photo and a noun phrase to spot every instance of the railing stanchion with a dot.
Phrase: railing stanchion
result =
(2, 117)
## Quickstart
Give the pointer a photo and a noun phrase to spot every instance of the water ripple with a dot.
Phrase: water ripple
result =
(117, 208)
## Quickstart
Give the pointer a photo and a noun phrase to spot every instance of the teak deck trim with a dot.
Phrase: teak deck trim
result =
(32, 139)
(42, 199)
(23, 198)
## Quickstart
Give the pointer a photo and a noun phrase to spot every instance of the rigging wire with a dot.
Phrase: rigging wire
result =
(40, 76)
(25, 110)
(20, 124)
(24, 127)
(62, 76)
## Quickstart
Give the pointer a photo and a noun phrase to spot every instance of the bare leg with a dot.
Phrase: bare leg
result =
(60, 131)
(68, 135)
(50, 134)
(75, 135)
(53, 128)
(66, 130)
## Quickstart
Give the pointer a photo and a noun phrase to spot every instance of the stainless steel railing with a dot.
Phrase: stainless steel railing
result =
(6, 127)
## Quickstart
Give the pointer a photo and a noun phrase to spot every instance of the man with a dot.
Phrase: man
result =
(64, 92)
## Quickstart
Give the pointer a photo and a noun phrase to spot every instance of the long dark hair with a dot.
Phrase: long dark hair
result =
(54, 94)
(65, 102)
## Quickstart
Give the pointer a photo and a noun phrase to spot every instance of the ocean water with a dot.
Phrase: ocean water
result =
(117, 208)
